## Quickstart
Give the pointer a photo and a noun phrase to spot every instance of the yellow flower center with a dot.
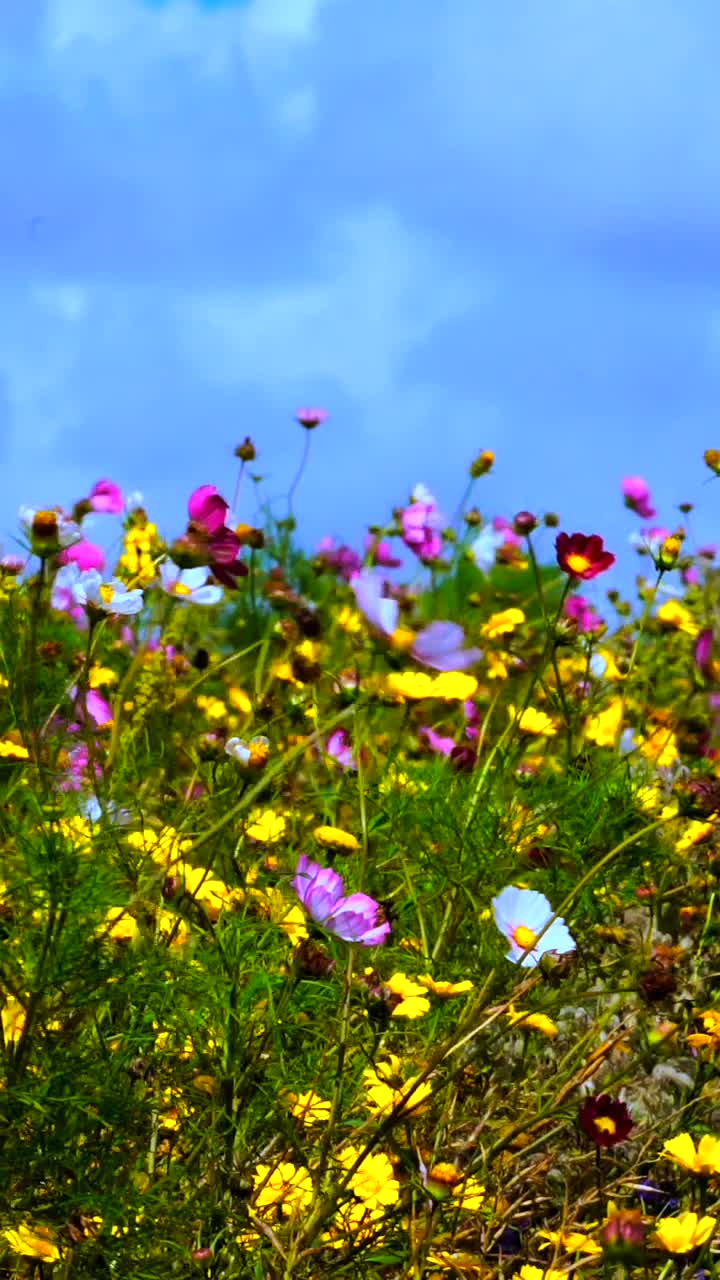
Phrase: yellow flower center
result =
(107, 593)
(605, 1124)
(180, 589)
(578, 563)
(524, 937)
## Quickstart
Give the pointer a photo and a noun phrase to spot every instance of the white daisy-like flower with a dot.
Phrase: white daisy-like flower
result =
(521, 915)
(191, 586)
(87, 587)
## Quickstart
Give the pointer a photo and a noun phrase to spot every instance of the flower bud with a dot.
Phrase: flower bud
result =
(250, 537)
(311, 418)
(473, 519)
(667, 555)
(624, 1229)
(246, 451)
(711, 458)
(524, 523)
(551, 520)
(482, 464)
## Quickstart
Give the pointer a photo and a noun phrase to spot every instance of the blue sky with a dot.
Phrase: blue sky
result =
(456, 227)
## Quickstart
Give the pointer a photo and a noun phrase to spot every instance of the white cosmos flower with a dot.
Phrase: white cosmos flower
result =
(87, 587)
(521, 914)
(189, 585)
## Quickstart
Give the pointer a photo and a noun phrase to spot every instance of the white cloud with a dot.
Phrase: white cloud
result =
(122, 43)
(387, 288)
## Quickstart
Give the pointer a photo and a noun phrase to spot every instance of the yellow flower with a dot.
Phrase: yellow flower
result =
(534, 1021)
(454, 686)
(469, 1195)
(32, 1242)
(122, 926)
(335, 838)
(309, 1107)
(387, 1091)
(528, 1272)
(239, 700)
(497, 668)
(571, 1241)
(661, 746)
(703, 1161)
(501, 624)
(374, 1180)
(350, 620)
(695, 832)
(684, 1233)
(410, 684)
(674, 614)
(397, 779)
(413, 1003)
(533, 721)
(285, 1186)
(214, 708)
(710, 1036)
(13, 1019)
(604, 728)
(10, 750)
(445, 989)
(100, 676)
(266, 826)
(612, 671)
(289, 916)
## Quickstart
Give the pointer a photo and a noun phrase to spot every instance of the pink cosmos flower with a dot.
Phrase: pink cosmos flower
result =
(310, 418)
(354, 918)
(208, 508)
(422, 525)
(208, 540)
(338, 746)
(636, 493)
(106, 497)
(704, 653)
(86, 555)
(341, 560)
(581, 612)
(441, 745)
(439, 645)
(380, 553)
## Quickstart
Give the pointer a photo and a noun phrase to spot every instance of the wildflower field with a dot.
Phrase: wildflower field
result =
(358, 909)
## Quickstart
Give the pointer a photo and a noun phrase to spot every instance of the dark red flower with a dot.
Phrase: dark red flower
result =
(582, 556)
(605, 1120)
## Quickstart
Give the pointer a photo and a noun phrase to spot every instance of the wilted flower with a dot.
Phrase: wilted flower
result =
(582, 556)
(521, 915)
(353, 918)
(606, 1120)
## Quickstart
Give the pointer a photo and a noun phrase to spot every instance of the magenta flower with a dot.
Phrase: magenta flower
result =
(208, 508)
(581, 612)
(704, 653)
(422, 526)
(636, 493)
(106, 497)
(311, 418)
(341, 560)
(441, 745)
(380, 553)
(338, 746)
(86, 555)
(208, 541)
(354, 918)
